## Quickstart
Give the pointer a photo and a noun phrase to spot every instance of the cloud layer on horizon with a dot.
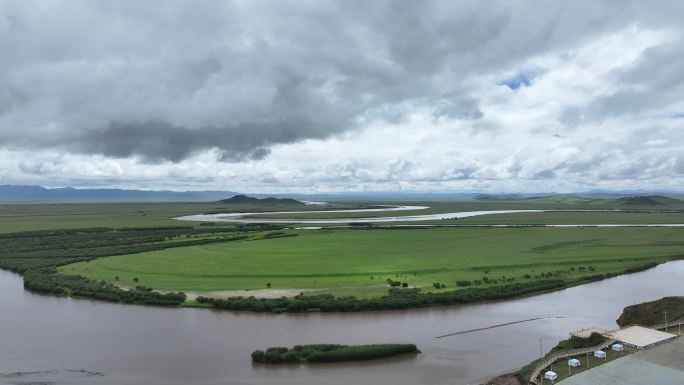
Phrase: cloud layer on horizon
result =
(332, 96)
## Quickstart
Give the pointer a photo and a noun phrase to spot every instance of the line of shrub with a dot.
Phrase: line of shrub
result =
(396, 299)
(46, 280)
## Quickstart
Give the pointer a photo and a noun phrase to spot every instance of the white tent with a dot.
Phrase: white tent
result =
(617, 347)
(550, 375)
(574, 362)
(599, 354)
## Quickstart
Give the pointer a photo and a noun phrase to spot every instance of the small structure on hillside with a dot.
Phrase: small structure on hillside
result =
(640, 337)
(617, 347)
(574, 362)
(600, 354)
(552, 376)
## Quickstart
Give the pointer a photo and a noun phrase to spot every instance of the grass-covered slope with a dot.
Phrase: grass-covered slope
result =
(652, 313)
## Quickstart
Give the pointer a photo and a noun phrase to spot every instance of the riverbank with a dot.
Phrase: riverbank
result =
(505, 379)
(403, 298)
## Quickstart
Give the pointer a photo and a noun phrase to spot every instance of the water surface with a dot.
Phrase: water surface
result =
(124, 344)
(254, 217)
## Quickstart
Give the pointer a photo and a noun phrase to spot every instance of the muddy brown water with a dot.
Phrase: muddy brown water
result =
(71, 341)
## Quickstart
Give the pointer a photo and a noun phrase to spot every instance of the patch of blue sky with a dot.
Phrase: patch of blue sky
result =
(523, 78)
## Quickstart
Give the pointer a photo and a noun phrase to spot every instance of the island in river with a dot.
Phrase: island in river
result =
(327, 353)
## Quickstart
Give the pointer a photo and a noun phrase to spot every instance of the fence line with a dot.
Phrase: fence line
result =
(669, 325)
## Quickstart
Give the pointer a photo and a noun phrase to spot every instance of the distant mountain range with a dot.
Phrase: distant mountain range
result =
(632, 200)
(16, 193)
(649, 200)
(19, 193)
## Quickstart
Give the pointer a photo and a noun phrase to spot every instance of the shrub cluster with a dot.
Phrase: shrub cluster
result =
(394, 283)
(330, 353)
(279, 234)
(46, 280)
(59, 247)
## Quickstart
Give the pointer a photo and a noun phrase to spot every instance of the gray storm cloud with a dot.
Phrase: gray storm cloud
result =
(165, 80)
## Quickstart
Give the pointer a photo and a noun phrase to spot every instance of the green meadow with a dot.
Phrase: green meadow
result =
(16, 217)
(360, 261)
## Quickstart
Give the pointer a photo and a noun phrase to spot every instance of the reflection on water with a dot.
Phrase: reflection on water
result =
(137, 345)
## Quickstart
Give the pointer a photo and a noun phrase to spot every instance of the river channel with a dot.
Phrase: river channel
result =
(47, 339)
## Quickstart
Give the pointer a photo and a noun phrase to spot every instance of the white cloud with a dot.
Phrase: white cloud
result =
(416, 103)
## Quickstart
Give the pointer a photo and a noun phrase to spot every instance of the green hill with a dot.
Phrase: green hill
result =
(637, 200)
(247, 200)
(562, 198)
(497, 197)
(648, 200)
(651, 313)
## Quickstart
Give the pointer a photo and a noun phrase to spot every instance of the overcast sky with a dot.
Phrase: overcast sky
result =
(312, 96)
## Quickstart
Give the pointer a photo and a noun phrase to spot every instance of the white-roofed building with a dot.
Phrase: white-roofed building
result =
(641, 337)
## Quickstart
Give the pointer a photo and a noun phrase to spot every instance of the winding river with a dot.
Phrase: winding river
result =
(254, 217)
(47, 339)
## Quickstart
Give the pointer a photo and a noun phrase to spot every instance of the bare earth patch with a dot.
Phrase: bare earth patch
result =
(260, 293)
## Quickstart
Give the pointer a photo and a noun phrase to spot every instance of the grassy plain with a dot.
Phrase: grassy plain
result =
(359, 261)
(51, 216)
